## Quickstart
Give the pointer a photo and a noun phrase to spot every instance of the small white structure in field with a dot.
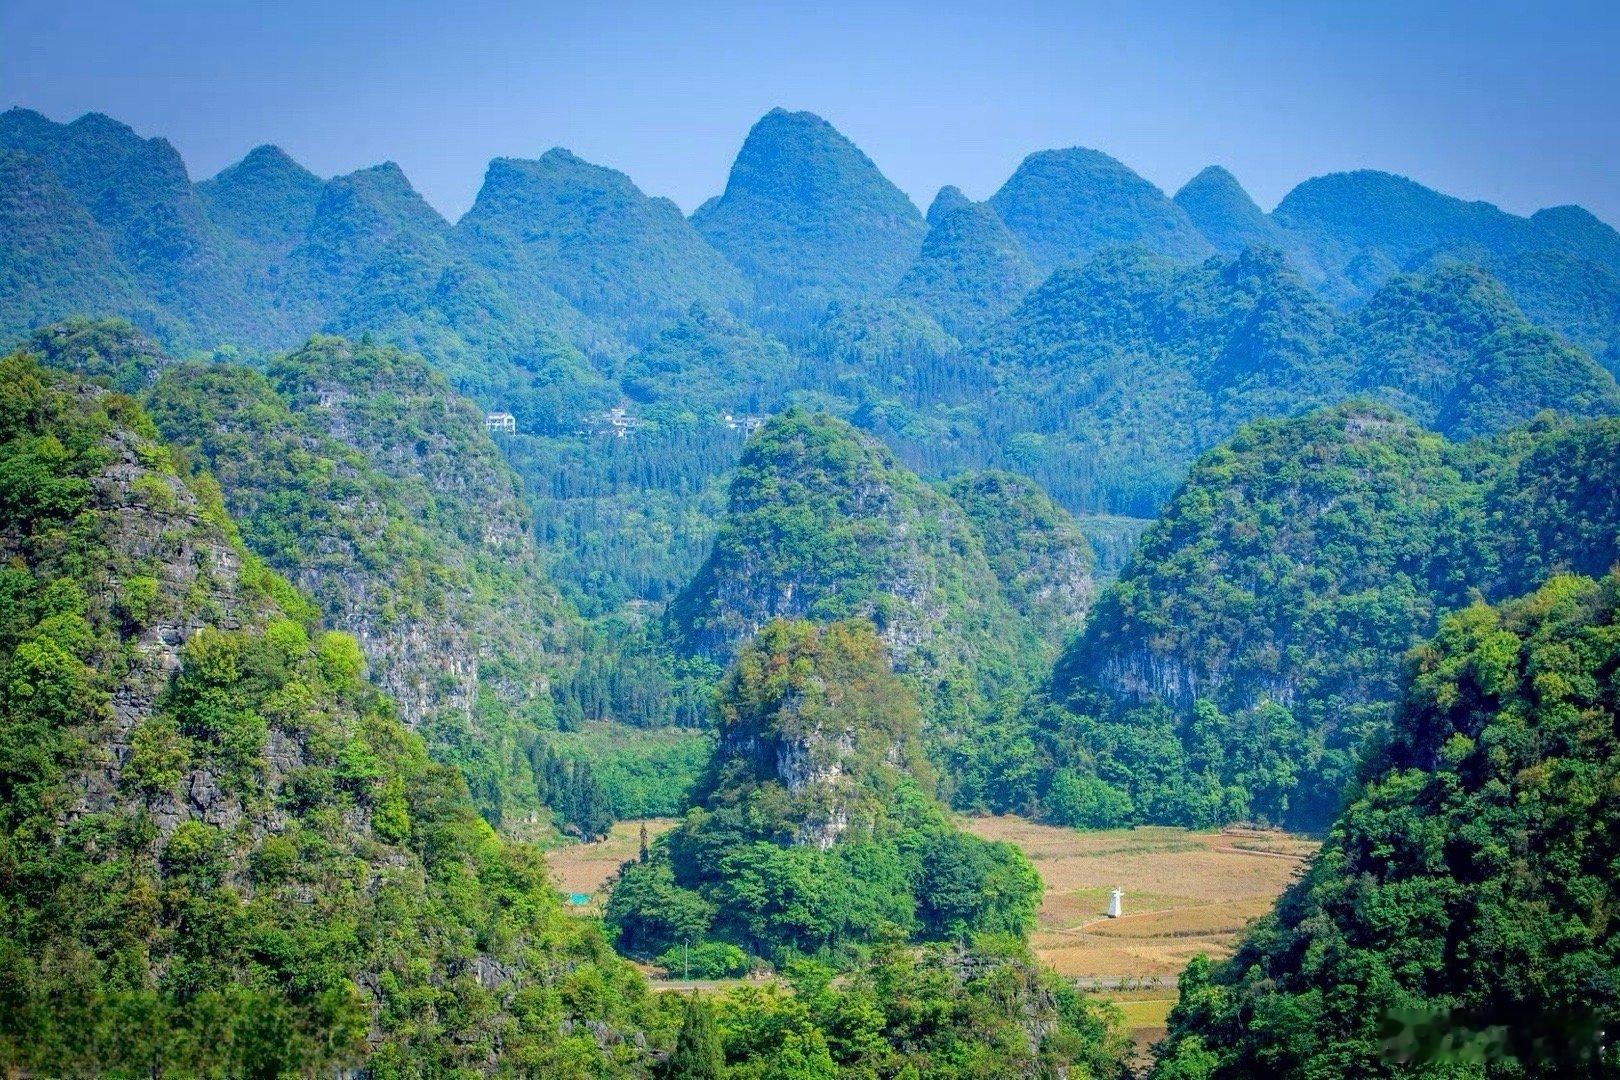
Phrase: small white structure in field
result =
(1116, 903)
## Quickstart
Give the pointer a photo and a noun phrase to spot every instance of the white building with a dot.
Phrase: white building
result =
(1116, 903)
(503, 422)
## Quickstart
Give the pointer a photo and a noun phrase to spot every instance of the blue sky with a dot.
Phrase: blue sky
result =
(1488, 101)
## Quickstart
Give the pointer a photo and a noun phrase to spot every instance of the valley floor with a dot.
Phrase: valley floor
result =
(1185, 893)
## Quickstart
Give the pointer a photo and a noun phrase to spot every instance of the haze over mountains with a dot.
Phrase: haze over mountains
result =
(265, 251)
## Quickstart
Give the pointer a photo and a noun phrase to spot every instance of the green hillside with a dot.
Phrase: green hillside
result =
(224, 855)
(1456, 921)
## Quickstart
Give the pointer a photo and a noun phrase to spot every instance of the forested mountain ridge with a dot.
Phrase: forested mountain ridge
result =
(195, 776)
(359, 474)
(1265, 615)
(1065, 206)
(808, 218)
(1132, 364)
(971, 269)
(1458, 912)
(821, 522)
(587, 233)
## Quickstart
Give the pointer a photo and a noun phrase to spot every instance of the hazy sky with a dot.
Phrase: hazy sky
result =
(1518, 104)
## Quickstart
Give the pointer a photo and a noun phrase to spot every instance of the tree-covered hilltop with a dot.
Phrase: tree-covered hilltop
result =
(1254, 642)
(223, 854)
(971, 270)
(816, 834)
(1586, 234)
(1036, 551)
(1457, 921)
(357, 473)
(131, 204)
(1067, 205)
(563, 225)
(822, 523)
(809, 218)
(707, 365)
(1451, 350)
(267, 201)
(1129, 367)
(1229, 219)
(1558, 290)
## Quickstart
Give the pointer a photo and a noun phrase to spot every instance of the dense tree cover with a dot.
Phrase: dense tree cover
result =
(1067, 205)
(223, 854)
(1229, 219)
(822, 523)
(110, 352)
(1578, 298)
(1254, 643)
(497, 308)
(1456, 923)
(1452, 351)
(1119, 373)
(1036, 551)
(971, 270)
(95, 198)
(808, 218)
(940, 1012)
(54, 259)
(706, 365)
(267, 201)
(562, 225)
(815, 834)
(1588, 235)
(641, 772)
(423, 555)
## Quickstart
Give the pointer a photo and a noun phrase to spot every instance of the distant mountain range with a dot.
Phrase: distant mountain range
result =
(97, 220)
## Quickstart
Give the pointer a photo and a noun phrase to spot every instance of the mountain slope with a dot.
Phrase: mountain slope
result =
(1264, 616)
(1037, 552)
(1132, 365)
(1586, 234)
(1229, 219)
(1458, 911)
(423, 556)
(55, 259)
(266, 201)
(971, 270)
(138, 193)
(1067, 205)
(587, 233)
(1454, 352)
(808, 218)
(818, 787)
(196, 779)
(822, 523)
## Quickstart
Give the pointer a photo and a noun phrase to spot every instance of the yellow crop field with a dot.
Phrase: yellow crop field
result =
(1185, 892)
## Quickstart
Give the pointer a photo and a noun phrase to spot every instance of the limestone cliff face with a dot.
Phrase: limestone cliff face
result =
(171, 568)
(815, 711)
(363, 477)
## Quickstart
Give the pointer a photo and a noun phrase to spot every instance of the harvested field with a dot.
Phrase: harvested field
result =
(1185, 893)
(587, 868)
